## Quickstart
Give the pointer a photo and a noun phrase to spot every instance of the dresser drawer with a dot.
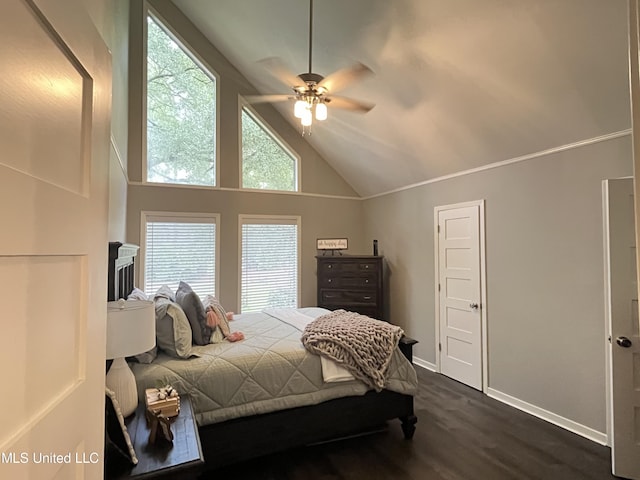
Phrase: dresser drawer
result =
(350, 267)
(335, 297)
(366, 280)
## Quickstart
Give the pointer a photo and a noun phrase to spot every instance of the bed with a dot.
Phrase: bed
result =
(266, 393)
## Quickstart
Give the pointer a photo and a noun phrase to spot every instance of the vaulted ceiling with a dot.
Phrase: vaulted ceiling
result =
(458, 84)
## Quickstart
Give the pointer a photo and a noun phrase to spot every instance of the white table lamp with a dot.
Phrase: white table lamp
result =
(131, 329)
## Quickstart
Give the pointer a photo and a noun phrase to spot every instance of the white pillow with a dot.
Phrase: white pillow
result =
(137, 294)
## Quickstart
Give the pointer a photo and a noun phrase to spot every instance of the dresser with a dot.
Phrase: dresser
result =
(352, 282)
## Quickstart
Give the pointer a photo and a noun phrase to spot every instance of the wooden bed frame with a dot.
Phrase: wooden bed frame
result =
(249, 437)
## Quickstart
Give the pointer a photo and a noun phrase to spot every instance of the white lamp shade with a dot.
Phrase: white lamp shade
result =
(131, 328)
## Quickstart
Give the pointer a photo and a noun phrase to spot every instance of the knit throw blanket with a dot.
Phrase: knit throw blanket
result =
(362, 345)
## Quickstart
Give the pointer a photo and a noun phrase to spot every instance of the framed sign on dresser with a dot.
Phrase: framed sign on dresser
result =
(352, 282)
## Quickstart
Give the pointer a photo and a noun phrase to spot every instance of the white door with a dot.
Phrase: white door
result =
(623, 329)
(55, 99)
(459, 305)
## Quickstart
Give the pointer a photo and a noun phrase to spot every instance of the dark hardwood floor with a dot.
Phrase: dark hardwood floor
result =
(461, 435)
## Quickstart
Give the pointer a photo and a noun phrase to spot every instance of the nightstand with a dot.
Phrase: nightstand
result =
(181, 460)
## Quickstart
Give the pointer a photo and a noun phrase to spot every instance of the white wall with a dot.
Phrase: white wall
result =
(545, 281)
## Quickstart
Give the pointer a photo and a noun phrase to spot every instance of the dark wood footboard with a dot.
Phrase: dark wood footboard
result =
(249, 437)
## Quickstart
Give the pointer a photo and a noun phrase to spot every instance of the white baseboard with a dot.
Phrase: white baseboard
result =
(550, 417)
(424, 364)
(577, 428)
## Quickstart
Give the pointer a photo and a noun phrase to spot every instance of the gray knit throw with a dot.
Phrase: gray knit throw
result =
(362, 345)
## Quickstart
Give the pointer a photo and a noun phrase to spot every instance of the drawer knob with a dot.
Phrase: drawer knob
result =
(329, 281)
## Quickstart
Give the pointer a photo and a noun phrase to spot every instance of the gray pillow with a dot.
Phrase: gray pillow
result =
(148, 357)
(195, 312)
(173, 332)
(165, 292)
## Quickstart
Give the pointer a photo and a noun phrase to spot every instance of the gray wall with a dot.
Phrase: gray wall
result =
(327, 204)
(112, 21)
(321, 217)
(545, 280)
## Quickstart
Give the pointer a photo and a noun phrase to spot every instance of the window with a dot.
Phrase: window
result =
(179, 247)
(181, 112)
(266, 162)
(270, 262)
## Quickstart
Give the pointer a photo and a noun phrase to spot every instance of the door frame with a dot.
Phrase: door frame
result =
(608, 305)
(483, 284)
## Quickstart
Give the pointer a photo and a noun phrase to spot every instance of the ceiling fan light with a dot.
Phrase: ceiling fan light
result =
(307, 118)
(299, 108)
(321, 111)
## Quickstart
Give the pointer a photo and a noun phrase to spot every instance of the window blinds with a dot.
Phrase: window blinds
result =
(269, 276)
(180, 251)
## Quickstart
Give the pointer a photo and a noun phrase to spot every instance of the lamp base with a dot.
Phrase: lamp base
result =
(120, 379)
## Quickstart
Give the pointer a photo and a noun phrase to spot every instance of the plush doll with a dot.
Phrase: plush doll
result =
(218, 319)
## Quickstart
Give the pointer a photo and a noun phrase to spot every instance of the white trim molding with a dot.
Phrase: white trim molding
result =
(575, 427)
(424, 364)
(118, 155)
(242, 190)
(542, 153)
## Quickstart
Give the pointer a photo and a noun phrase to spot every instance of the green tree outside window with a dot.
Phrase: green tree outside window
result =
(181, 113)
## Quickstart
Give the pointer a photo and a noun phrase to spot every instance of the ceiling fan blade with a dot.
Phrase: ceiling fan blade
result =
(281, 72)
(349, 104)
(340, 79)
(276, 97)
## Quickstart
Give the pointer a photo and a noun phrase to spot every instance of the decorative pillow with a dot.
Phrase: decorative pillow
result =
(222, 330)
(194, 310)
(148, 357)
(137, 294)
(173, 332)
(165, 292)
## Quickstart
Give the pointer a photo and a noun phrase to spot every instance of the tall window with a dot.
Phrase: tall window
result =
(266, 162)
(180, 247)
(270, 262)
(181, 112)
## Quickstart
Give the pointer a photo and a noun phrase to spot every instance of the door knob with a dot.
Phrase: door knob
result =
(474, 306)
(623, 342)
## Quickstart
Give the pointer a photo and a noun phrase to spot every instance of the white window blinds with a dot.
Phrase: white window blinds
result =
(270, 262)
(180, 249)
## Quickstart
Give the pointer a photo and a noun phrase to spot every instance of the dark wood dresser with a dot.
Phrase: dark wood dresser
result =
(353, 283)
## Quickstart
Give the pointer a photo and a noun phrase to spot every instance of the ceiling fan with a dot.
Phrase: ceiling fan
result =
(313, 92)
